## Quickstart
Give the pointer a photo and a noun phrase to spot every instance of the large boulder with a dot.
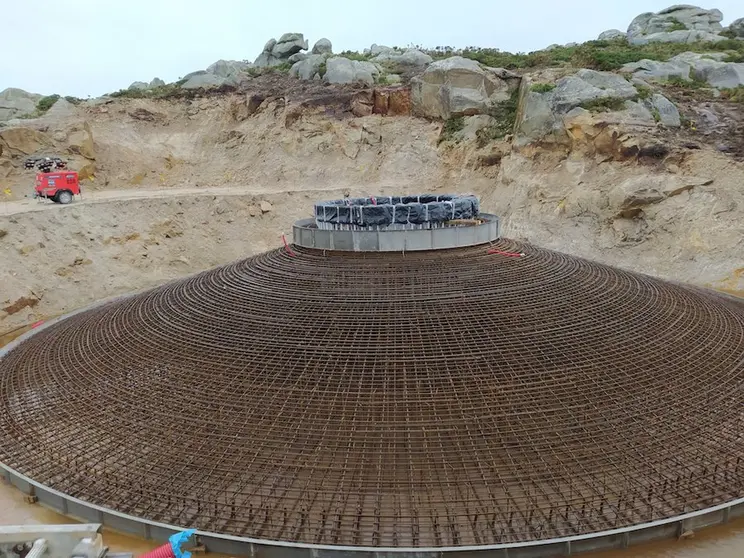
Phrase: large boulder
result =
(323, 46)
(737, 28)
(376, 49)
(308, 68)
(456, 86)
(708, 67)
(343, 70)
(664, 110)
(676, 24)
(204, 81)
(227, 68)
(589, 85)
(279, 52)
(611, 35)
(411, 57)
(139, 85)
(289, 44)
(16, 102)
(156, 82)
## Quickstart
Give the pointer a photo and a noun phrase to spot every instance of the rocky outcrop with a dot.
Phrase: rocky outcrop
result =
(611, 35)
(140, 85)
(386, 101)
(376, 50)
(411, 57)
(588, 108)
(343, 70)
(677, 24)
(589, 85)
(737, 28)
(707, 67)
(227, 68)
(322, 46)
(204, 81)
(458, 86)
(309, 67)
(16, 102)
(156, 82)
(278, 52)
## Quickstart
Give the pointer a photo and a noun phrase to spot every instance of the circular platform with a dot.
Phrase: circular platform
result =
(463, 399)
(482, 230)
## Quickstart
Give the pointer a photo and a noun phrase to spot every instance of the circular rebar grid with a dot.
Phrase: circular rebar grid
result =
(432, 399)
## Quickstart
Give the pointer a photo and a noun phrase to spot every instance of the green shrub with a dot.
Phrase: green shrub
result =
(45, 103)
(73, 100)
(644, 92)
(656, 114)
(542, 87)
(505, 115)
(693, 83)
(161, 92)
(451, 126)
(677, 25)
(604, 104)
(352, 55)
(322, 69)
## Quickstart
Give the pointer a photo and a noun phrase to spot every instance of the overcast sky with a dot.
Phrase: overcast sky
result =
(92, 47)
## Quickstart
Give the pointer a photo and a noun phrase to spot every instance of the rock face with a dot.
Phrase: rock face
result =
(16, 102)
(663, 109)
(227, 68)
(676, 24)
(585, 108)
(23, 141)
(457, 86)
(629, 197)
(611, 35)
(204, 81)
(343, 70)
(411, 57)
(278, 52)
(707, 67)
(323, 46)
(309, 67)
(589, 85)
(737, 28)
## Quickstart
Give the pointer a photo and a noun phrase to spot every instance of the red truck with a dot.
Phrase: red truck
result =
(59, 186)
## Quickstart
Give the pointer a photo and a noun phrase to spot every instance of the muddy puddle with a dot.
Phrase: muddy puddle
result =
(726, 541)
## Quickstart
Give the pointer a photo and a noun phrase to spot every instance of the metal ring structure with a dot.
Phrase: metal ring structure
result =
(313, 404)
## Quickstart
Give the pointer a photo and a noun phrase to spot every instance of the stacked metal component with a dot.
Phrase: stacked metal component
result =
(424, 211)
(477, 396)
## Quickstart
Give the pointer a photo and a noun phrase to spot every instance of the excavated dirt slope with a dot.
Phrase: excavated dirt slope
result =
(181, 185)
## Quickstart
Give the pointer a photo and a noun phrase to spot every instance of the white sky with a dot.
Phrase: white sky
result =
(92, 47)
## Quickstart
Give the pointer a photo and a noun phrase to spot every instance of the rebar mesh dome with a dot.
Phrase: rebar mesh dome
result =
(430, 399)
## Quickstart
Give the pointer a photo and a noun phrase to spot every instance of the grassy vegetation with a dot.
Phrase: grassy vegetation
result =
(694, 83)
(735, 95)
(73, 100)
(351, 55)
(505, 115)
(322, 69)
(605, 104)
(677, 25)
(282, 68)
(451, 127)
(656, 114)
(161, 92)
(542, 87)
(597, 55)
(644, 92)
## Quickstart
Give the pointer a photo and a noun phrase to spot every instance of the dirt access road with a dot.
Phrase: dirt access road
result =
(106, 196)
